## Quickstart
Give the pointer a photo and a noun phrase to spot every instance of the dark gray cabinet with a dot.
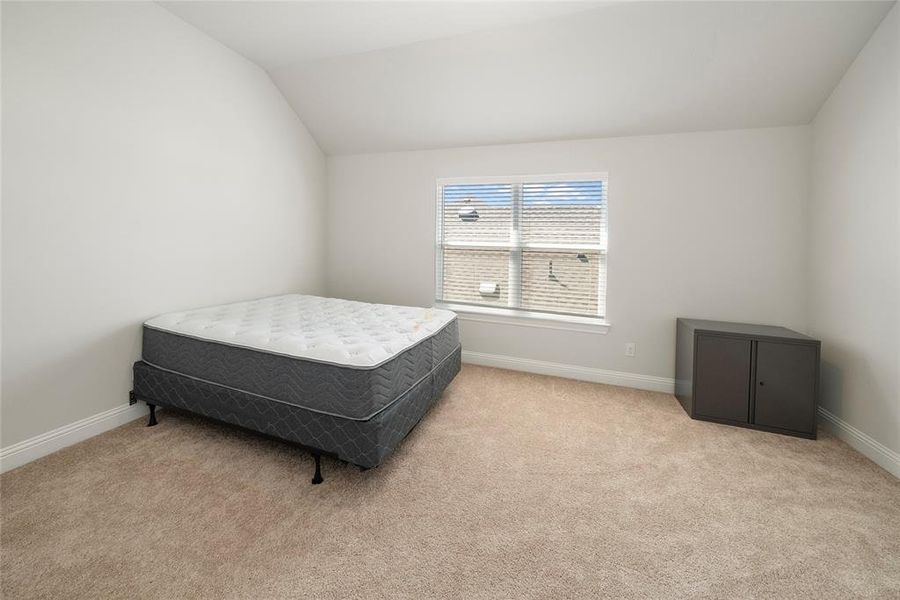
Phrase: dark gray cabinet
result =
(722, 386)
(757, 376)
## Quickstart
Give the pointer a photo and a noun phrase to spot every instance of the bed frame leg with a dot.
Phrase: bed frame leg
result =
(317, 478)
(152, 415)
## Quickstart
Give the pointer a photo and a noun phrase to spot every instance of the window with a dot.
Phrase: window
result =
(528, 244)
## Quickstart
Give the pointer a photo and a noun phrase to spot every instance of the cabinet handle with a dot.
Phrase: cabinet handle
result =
(762, 383)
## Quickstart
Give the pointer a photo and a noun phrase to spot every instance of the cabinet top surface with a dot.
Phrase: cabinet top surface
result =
(747, 329)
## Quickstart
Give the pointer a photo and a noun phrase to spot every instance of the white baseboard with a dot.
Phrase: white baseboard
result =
(632, 380)
(47, 443)
(872, 449)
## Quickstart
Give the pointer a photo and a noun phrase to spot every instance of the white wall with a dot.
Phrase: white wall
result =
(854, 275)
(146, 168)
(708, 225)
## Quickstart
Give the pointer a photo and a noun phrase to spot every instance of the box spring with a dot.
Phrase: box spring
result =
(364, 442)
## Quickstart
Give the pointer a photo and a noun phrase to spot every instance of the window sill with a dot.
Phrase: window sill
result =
(482, 314)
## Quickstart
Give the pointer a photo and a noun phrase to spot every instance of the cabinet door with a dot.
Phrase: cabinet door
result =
(722, 384)
(786, 386)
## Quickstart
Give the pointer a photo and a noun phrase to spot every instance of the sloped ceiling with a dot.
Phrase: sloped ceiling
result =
(590, 70)
(275, 34)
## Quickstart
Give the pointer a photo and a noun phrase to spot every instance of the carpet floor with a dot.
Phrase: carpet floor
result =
(514, 486)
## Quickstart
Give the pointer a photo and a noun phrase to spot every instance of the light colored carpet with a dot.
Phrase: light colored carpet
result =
(514, 486)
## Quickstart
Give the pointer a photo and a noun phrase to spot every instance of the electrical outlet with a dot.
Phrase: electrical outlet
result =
(629, 349)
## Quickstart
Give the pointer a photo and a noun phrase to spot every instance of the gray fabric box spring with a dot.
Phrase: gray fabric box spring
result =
(365, 443)
(357, 414)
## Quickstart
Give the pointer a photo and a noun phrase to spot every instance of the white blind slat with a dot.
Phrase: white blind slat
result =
(477, 213)
(466, 270)
(548, 237)
(565, 282)
(567, 212)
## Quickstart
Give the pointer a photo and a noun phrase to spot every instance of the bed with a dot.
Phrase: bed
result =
(340, 378)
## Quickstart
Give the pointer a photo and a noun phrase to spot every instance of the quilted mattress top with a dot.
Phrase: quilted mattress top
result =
(342, 332)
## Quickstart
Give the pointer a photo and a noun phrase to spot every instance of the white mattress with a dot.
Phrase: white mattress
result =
(330, 330)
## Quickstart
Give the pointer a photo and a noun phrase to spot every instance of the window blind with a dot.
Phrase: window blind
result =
(524, 244)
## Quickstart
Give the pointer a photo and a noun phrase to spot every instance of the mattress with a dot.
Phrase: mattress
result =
(338, 358)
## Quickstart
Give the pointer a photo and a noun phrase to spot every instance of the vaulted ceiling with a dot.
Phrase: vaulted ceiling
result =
(280, 33)
(384, 76)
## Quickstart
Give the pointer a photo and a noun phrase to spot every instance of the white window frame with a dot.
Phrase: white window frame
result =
(517, 316)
